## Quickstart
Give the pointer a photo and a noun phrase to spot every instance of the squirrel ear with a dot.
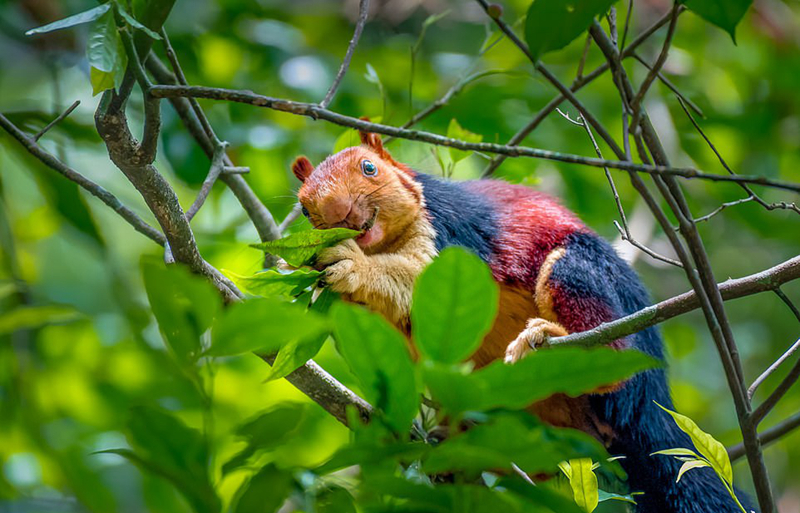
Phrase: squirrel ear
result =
(302, 168)
(372, 140)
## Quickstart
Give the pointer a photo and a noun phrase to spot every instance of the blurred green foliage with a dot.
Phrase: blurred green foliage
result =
(84, 367)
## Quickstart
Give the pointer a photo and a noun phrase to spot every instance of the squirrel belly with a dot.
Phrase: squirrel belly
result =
(556, 277)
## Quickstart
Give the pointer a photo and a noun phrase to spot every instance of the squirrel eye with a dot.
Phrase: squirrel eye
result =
(304, 210)
(368, 168)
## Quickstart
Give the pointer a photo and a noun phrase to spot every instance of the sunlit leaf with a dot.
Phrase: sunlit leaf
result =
(378, 356)
(679, 451)
(263, 324)
(689, 465)
(71, 21)
(725, 14)
(26, 317)
(456, 131)
(300, 248)
(608, 496)
(275, 283)
(706, 445)
(454, 305)
(583, 482)
(553, 24)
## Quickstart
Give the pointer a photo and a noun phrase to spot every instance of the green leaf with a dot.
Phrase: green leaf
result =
(266, 432)
(378, 356)
(264, 492)
(553, 24)
(271, 282)
(570, 370)
(184, 305)
(26, 317)
(706, 445)
(454, 305)
(679, 451)
(583, 482)
(298, 352)
(71, 21)
(609, 496)
(300, 248)
(539, 495)
(167, 447)
(106, 54)
(263, 325)
(456, 131)
(133, 22)
(689, 465)
(509, 439)
(725, 14)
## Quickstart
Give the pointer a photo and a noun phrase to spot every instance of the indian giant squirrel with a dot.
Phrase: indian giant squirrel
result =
(556, 277)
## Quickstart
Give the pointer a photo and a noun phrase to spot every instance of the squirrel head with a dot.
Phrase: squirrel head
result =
(362, 188)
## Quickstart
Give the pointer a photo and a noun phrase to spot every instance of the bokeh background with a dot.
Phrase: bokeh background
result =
(69, 378)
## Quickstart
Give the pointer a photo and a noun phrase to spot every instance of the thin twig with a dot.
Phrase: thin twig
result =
(768, 436)
(672, 87)
(751, 194)
(586, 47)
(56, 121)
(621, 45)
(235, 170)
(138, 224)
(636, 103)
(214, 172)
(777, 394)
(526, 130)
(772, 368)
(783, 297)
(363, 11)
(296, 211)
(624, 233)
(315, 112)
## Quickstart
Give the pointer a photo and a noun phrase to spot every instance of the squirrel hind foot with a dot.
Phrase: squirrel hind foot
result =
(535, 336)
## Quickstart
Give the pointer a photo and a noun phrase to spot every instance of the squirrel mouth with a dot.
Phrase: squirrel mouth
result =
(369, 223)
(368, 235)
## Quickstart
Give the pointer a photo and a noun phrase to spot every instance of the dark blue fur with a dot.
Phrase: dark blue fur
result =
(592, 269)
(459, 216)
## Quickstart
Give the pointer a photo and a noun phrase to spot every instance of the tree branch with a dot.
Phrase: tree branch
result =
(764, 281)
(772, 368)
(315, 112)
(56, 121)
(768, 436)
(363, 11)
(138, 224)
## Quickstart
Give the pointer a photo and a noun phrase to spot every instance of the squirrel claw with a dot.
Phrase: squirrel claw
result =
(536, 335)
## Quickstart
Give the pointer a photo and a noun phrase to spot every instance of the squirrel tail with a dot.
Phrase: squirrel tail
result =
(642, 428)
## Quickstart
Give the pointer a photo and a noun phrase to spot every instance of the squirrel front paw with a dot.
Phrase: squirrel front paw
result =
(535, 335)
(342, 265)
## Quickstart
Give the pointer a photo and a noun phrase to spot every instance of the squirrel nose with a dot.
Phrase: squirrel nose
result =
(336, 210)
